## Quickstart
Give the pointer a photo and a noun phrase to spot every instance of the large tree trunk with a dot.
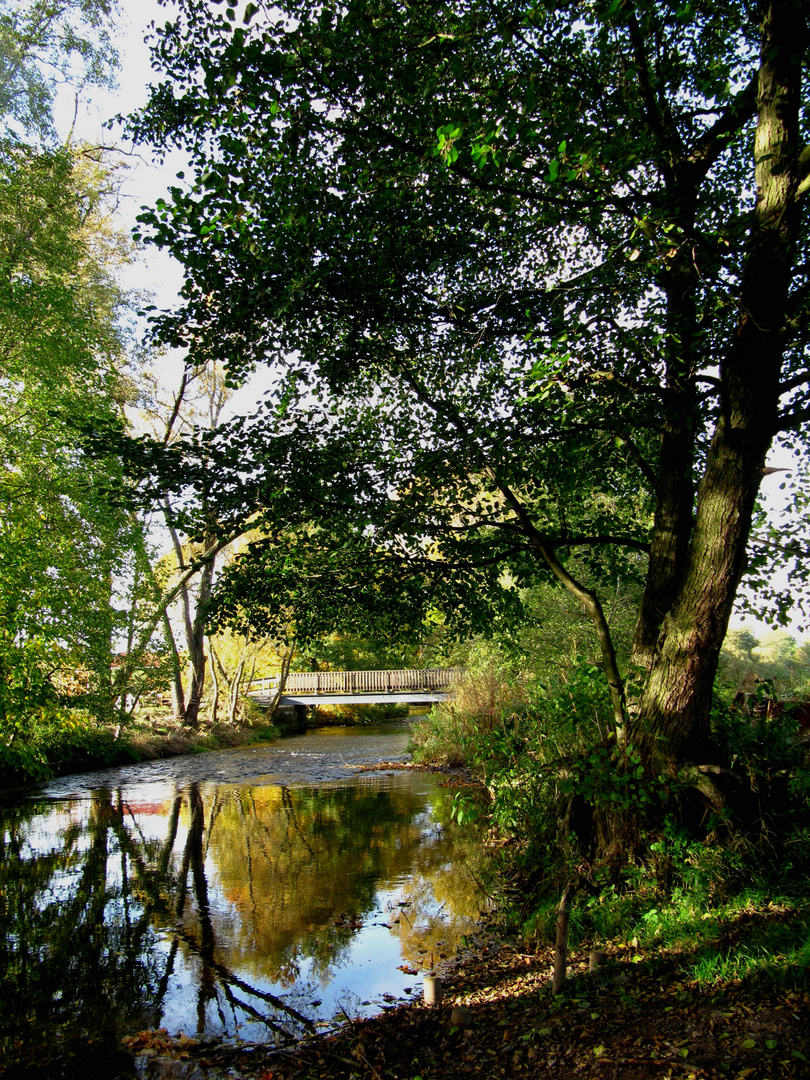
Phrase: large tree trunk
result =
(673, 723)
(672, 520)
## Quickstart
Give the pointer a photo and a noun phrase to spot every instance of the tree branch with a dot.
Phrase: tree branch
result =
(787, 421)
(660, 124)
(595, 541)
(803, 173)
(713, 142)
(794, 381)
(167, 598)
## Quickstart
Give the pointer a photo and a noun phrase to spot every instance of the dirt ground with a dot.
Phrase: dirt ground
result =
(632, 1020)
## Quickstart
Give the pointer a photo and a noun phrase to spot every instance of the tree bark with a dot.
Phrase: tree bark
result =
(178, 693)
(235, 683)
(673, 723)
(195, 630)
(286, 662)
(561, 949)
(212, 713)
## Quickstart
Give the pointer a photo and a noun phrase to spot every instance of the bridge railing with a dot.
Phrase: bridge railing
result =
(359, 682)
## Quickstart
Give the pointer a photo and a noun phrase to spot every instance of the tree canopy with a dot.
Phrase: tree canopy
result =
(45, 43)
(69, 552)
(545, 266)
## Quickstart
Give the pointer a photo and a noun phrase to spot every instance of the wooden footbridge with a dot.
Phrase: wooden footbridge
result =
(414, 686)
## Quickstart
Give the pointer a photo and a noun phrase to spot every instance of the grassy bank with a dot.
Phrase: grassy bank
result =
(75, 742)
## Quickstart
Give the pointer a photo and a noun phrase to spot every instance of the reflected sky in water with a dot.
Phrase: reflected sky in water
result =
(205, 896)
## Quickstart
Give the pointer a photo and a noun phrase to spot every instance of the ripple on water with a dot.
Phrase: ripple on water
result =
(323, 755)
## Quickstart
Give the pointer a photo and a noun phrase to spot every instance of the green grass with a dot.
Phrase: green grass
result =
(770, 944)
(752, 937)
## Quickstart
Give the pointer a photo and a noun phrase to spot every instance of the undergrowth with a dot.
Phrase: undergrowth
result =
(654, 864)
(356, 714)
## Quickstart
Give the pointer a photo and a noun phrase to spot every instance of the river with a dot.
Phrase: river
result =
(251, 894)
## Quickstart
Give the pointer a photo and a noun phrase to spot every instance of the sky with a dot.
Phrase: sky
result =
(147, 179)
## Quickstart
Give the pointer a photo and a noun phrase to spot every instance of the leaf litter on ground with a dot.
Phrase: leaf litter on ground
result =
(641, 1018)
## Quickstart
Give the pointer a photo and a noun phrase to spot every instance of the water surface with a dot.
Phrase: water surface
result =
(253, 894)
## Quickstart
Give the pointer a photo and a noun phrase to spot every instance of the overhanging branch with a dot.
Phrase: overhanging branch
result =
(713, 142)
(788, 421)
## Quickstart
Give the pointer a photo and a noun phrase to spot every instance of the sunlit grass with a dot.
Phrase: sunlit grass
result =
(753, 936)
(774, 947)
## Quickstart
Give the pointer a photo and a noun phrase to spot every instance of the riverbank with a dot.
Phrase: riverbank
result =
(642, 1016)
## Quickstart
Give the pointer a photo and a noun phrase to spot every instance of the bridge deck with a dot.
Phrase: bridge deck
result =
(414, 686)
(405, 697)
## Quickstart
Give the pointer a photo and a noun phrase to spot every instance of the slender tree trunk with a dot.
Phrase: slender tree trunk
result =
(212, 715)
(561, 948)
(148, 572)
(196, 644)
(286, 661)
(236, 682)
(178, 693)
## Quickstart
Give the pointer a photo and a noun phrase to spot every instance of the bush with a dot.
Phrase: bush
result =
(573, 809)
(495, 689)
(29, 706)
(356, 714)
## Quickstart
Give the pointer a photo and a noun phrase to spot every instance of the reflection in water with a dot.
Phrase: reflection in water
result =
(249, 911)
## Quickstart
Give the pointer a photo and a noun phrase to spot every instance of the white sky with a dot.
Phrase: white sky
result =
(147, 179)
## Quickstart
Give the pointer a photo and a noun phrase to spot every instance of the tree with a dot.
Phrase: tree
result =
(66, 552)
(737, 663)
(555, 253)
(194, 410)
(47, 42)
(69, 553)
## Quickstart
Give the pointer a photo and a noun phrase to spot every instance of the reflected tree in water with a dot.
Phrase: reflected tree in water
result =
(75, 940)
(228, 898)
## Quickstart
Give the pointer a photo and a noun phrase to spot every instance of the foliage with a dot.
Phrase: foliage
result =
(544, 750)
(65, 544)
(502, 336)
(28, 703)
(45, 43)
(521, 669)
(71, 554)
(494, 686)
(357, 714)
